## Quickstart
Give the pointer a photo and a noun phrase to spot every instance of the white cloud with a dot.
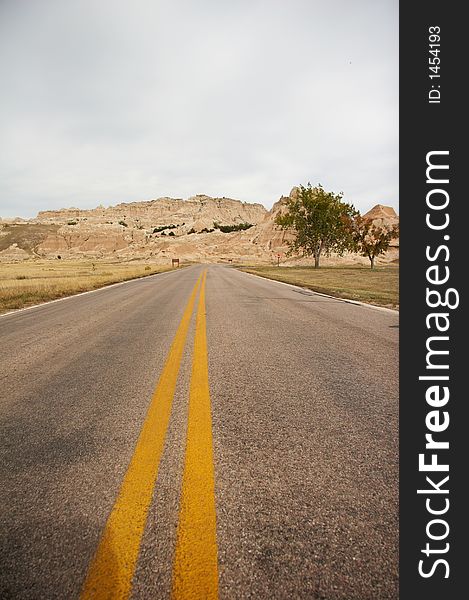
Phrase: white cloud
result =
(115, 101)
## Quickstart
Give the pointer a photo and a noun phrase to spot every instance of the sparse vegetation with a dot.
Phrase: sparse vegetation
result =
(380, 286)
(163, 227)
(123, 223)
(72, 223)
(32, 282)
(191, 231)
(230, 228)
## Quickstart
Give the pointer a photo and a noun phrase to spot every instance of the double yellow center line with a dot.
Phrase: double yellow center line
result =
(195, 573)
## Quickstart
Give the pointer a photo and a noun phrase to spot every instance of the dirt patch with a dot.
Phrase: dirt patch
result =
(27, 236)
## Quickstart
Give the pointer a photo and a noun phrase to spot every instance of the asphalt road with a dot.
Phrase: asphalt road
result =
(304, 419)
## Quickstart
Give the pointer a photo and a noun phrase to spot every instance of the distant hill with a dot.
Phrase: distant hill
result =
(161, 229)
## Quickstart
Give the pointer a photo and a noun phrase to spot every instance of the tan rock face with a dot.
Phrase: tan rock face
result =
(157, 228)
(201, 209)
(127, 231)
(22, 238)
(88, 239)
(386, 213)
(269, 236)
(13, 253)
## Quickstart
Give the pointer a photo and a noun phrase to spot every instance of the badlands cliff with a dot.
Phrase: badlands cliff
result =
(161, 229)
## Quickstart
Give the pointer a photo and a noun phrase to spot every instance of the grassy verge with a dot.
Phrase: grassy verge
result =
(379, 286)
(28, 283)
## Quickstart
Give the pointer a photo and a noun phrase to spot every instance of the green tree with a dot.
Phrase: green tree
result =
(372, 240)
(320, 221)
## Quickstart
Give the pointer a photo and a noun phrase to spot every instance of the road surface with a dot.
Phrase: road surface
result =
(280, 481)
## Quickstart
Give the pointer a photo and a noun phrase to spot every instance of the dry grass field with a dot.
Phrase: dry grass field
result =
(32, 282)
(379, 286)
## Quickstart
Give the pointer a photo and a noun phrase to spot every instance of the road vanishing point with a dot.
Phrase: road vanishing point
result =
(199, 434)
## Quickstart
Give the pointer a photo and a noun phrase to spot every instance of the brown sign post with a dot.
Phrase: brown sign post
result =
(175, 262)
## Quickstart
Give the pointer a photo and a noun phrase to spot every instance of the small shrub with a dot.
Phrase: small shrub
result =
(191, 231)
(171, 233)
(230, 228)
(72, 223)
(158, 229)
(148, 268)
(123, 223)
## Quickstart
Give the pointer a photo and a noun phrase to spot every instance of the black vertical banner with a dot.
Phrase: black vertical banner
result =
(434, 436)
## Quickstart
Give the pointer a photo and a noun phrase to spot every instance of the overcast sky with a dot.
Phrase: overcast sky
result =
(107, 101)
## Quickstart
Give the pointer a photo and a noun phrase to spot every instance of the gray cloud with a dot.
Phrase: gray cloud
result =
(113, 101)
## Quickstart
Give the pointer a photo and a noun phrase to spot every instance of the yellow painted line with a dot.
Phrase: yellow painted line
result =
(195, 572)
(112, 568)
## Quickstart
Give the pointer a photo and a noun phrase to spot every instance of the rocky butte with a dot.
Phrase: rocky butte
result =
(165, 228)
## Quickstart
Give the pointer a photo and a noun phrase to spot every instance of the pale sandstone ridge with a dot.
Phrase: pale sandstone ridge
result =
(127, 231)
(268, 235)
(382, 215)
(197, 210)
